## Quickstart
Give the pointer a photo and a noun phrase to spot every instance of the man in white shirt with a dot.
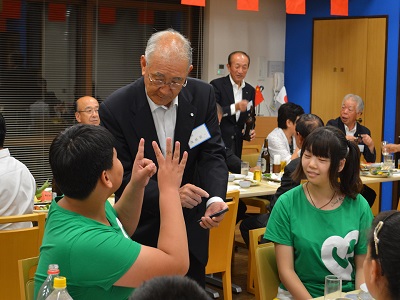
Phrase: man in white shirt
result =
(17, 185)
(235, 97)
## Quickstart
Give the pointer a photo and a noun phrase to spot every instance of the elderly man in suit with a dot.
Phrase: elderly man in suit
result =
(352, 109)
(163, 103)
(234, 95)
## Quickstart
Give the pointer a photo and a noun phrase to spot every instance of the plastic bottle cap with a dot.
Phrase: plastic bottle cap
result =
(60, 282)
(53, 269)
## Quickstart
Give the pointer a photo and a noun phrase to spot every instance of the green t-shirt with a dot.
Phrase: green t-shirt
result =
(324, 241)
(91, 255)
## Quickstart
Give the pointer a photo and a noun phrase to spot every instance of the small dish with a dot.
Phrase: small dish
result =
(251, 182)
(244, 183)
(239, 176)
(231, 177)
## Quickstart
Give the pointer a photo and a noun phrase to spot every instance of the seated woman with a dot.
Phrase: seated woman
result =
(281, 140)
(319, 227)
(382, 264)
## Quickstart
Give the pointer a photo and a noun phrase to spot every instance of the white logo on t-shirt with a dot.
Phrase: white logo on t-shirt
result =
(339, 246)
(122, 228)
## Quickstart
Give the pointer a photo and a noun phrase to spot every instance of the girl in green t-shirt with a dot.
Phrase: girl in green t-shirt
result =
(319, 228)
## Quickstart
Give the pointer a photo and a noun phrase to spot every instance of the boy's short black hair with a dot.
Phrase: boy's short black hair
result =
(170, 288)
(78, 156)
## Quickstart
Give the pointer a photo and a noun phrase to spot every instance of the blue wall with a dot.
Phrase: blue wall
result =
(298, 60)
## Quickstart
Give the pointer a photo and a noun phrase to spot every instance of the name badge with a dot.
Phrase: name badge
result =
(199, 135)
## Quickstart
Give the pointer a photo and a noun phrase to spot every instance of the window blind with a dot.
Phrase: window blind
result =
(54, 52)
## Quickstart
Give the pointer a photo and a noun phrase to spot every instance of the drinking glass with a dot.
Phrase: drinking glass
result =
(333, 287)
(388, 160)
(384, 149)
(244, 168)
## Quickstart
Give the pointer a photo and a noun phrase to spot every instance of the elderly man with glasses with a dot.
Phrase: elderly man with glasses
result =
(163, 103)
(87, 110)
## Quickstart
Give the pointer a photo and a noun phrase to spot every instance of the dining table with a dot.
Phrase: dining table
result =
(266, 187)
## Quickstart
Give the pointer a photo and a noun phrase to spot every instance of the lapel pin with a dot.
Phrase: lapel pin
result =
(191, 114)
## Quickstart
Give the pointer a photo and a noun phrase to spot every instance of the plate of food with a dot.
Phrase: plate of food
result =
(368, 166)
(246, 182)
(272, 177)
(41, 207)
(382, 172)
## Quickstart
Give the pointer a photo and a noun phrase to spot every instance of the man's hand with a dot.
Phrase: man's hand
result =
(391, 148)
(241, 106)
(252, 134)
(142, 168)
(367, 140)
(207, 222)
(191, 195)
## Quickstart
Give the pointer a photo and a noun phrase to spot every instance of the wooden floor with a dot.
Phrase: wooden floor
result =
(239, 272)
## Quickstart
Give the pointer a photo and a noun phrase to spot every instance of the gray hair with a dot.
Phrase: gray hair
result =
(357, 99)
(177, 44)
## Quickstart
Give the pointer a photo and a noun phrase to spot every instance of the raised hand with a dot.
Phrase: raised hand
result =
(142, 168)
(170, 169)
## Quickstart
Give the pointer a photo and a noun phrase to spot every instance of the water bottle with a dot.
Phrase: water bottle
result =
(60, 290)
(47, 286)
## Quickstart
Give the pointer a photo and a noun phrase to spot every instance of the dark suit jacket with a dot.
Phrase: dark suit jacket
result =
(230, 128)
(369, 157)
(233, 162)
(127, 115)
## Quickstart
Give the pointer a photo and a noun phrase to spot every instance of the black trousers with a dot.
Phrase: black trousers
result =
(197, 271)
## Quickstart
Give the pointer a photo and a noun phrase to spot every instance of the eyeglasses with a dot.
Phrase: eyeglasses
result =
(90, 111)
(378, 228)
(376, 232)
(173, 84)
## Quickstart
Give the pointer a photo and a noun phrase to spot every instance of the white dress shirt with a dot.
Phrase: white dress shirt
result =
(238, 95)
(165, 120)
(17, 189)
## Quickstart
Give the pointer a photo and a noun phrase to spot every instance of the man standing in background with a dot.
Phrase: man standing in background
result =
(234, 95)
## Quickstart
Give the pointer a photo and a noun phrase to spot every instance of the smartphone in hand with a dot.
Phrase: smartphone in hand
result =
(218, 213)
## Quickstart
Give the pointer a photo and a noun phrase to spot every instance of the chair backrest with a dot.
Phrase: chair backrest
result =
(254, 237)
(267, 281)
(221, 238)
(15, 245)
(26, 272)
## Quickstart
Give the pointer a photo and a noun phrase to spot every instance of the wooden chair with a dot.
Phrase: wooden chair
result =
(254, 237)
(221, 245)
(26, 272)
(259, 202)
(267, 279)
(15, 245)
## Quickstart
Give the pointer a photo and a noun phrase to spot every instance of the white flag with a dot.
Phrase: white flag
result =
(282, 96)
